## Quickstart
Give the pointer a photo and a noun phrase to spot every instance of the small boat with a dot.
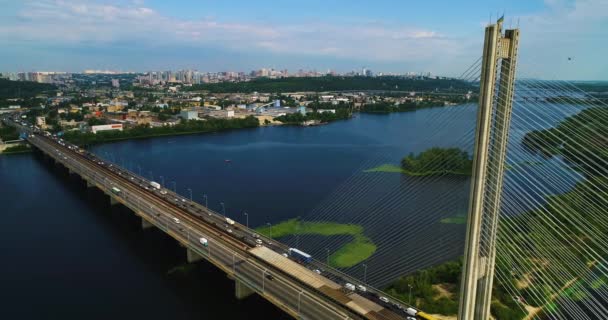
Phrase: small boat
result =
(227, 160)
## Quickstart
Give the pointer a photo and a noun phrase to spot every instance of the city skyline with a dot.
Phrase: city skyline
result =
(391, 37)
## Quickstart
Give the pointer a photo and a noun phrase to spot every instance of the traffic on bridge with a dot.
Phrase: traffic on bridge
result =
(287, 277)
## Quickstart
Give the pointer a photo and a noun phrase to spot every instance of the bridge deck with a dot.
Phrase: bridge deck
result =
(296, 270)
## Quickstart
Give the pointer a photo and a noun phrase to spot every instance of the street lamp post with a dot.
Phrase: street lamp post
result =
(205, 197)
(409, 301)
(190, 190)
(327, 259)
(139, 170)
(223, 209)
(246, 219)
(162, 181)
(364, 273)
(151, 176)
(269, 226)
(174, 186)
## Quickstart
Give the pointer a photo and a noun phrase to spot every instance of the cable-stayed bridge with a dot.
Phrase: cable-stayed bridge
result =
(536, 232)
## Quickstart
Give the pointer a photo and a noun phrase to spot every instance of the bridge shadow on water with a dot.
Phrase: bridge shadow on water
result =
(200, 290)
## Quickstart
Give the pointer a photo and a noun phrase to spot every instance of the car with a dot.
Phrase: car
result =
(183, 200)
(317, 271)
(162, 191)
(269, 276)
(258, 241)
(285, 255)
(384, 299)
(361, 288)
(229, 230)
(176, 220)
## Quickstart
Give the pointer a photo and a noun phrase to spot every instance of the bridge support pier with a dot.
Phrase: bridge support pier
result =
(113, 201)
(241, 290)
(145, 224)
(90, 185)
(192, 256)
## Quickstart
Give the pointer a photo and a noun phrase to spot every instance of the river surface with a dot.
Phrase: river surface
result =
(68, 254)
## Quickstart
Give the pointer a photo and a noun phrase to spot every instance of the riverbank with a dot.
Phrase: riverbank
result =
(20, 148)
(357, 250)
(391, 168)
(145, 132)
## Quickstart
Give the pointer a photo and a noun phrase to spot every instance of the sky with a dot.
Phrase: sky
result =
(443, 37)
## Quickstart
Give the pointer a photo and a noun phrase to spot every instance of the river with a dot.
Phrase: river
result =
(68, 254)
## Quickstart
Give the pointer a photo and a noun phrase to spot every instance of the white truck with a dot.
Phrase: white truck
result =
(229, 221)
(204, 242)
(349, 287)
(155, 185)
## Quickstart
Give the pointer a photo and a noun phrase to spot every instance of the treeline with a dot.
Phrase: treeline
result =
(581, 135)
(8, 133)
(334, 83)
(438, 161)
(388, 107)
(298, 118)
(422, 284)
(566, 140)
(144, 131)
(23, 89)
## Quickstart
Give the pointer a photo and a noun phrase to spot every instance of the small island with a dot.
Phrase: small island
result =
(432, 162)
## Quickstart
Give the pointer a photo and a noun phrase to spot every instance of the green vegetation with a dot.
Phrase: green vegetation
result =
(388, 107)
(298, 118)
(425, 286)
(8, 133)
(432, 162)
(387, 167)
(22, 89)
(564, 140)
(187, 127)
(20, 148)
(527, 232)
(352, 253)
(438, 161)
(436, 290)
(332, 83)
(457, 219)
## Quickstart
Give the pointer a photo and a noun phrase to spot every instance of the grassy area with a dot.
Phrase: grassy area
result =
(387, 167)
(457, 219)
(21, 148)
(350, 254)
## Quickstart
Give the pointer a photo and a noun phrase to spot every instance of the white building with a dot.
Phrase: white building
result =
(41, 122)
(106, 127)
(326, 110)
(189, 114)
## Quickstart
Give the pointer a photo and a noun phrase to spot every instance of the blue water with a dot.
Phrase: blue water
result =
(69, 252)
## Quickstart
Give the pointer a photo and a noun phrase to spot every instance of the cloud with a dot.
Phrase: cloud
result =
(563, 28)
(79, 21)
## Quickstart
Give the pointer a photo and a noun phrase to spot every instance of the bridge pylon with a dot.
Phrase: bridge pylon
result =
(493, 121)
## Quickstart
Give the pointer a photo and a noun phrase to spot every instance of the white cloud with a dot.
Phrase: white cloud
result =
(88, 21)
(565, 28)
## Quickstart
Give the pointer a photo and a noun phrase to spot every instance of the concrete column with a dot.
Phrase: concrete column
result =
(193, 256)
(145, 224)
(90, 184)
(113, 201)
(241, 290)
